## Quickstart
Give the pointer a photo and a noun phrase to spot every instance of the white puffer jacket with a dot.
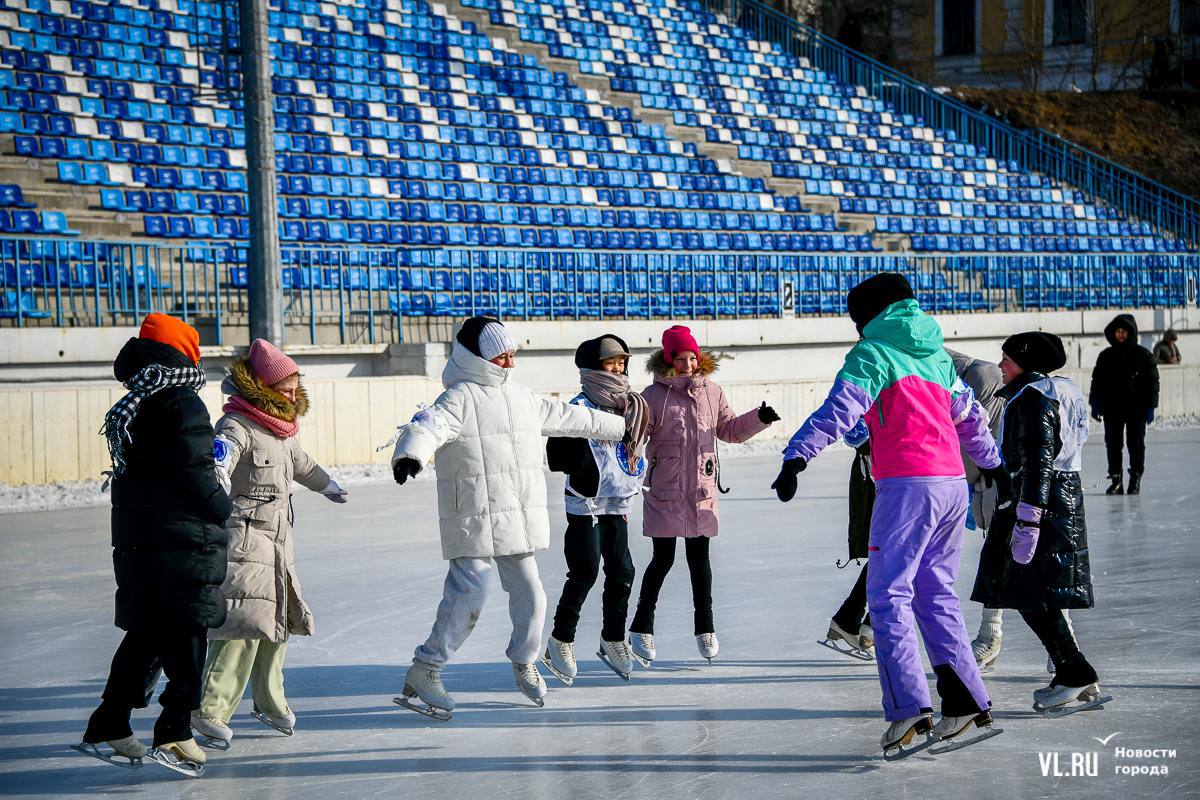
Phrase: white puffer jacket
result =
(487, 431)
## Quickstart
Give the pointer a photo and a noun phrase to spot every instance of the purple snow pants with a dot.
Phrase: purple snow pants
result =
(916, 539)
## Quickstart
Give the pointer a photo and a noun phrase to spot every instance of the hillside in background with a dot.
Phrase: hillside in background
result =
(1157, 135)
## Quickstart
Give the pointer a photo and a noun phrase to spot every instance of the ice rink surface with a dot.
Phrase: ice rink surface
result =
(774, 716)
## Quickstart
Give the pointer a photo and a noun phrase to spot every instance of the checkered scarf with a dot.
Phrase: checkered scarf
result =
(151, 379)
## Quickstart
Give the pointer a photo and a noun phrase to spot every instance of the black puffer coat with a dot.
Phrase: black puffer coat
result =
(1060, 574)
(1125, 379)
(862, 501)
(168, 515)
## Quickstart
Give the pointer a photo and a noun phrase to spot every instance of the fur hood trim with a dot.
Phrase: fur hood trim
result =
(661, 369)
(242, 381)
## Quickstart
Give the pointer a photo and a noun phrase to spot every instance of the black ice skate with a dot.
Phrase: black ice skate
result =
(1116, 487)
(126, 753)
(955, 733)
(1135, 483)
(1062, 701)
(897, 741)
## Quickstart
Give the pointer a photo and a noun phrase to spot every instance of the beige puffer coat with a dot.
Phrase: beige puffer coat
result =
(262, 591)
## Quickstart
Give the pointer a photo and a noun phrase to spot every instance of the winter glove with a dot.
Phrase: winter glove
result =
(857, 435)
(1149, 416)
(1025, 533)
(405, 468)
(1096, 415)
(785, 484)
(999, 477)
(766, 414)
(334, 492)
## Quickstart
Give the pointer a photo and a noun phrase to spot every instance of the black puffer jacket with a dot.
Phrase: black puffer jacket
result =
(1060, 574)
(1125, 380)
(862, 501)
(168, 515)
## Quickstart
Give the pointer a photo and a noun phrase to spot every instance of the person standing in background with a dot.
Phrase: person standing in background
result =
(1124, 395)
(1166, 351)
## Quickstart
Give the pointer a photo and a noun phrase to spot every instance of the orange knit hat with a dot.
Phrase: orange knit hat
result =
(174, 332)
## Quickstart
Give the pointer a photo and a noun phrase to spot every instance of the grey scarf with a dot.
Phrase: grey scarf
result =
(610, 391)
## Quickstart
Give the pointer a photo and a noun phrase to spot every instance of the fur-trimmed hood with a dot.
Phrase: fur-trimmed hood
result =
(659, 368)
(241, 381)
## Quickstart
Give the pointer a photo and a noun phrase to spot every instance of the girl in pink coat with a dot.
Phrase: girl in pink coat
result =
(688, 413)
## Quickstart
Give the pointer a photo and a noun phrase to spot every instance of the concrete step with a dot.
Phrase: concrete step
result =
(858, 223)
(62, 198)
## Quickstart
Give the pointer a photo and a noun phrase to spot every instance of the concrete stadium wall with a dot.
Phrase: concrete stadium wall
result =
(49, 427)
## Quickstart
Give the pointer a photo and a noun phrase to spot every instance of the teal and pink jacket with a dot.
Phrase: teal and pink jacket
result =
(902, 383)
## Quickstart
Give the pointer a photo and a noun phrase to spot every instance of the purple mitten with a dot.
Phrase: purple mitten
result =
(1025, 533)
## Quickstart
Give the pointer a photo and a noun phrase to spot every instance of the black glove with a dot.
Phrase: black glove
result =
(766, 414)
(1003, 482)
(404, 469)
(785, 484)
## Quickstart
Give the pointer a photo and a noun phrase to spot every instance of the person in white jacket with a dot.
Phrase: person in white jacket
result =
(487, 431)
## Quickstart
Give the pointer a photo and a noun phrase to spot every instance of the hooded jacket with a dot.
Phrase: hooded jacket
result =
(688, 414)
(1045, 426)
(1125, 379)
(262, 590)
(168, 509)
(487, 431)
(986, 380)
(902, 382)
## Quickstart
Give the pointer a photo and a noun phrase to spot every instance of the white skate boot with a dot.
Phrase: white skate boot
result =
(285, 724)
(211, 732)
(708, 645)
(987, 653)
(897, 739)
(127, 752)
(184, 756)
(866, 638)
(642, 646)
(616, 656)
(530, 682)
(559, 658)
(425, 683)
(1060, 701)
(954, 733)
(840, 640)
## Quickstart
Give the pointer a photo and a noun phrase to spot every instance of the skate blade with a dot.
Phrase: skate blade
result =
(261, 717)
(182, 766)
(990, 666)
(125, 762)
(622, 675)
(960, 741)
(901, 752)
(645, 662)
(1069, 709)
(853, 652)
(210, 742)
(563, 678)
(440, 714)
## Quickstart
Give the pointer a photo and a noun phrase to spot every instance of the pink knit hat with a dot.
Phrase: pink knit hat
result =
(268, 362)
(678, 339)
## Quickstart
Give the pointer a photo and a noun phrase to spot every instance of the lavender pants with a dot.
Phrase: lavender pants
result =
(916, 530)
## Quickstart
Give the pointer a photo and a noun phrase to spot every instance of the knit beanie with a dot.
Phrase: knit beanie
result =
(173, 332)
(678, 339)
(591, 353)
(1035, 351)
(868, 300)
(268, 363)
(486, 337)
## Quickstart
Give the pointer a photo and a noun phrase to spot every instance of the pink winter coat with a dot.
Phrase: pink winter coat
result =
(687, 416)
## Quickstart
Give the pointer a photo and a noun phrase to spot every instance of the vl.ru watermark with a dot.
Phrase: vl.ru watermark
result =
(1126, 761)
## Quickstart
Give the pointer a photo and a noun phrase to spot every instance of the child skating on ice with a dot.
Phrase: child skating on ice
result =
(602, 480)
(688, 413)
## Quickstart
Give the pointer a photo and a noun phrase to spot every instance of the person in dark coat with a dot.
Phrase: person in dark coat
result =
(1166, 351)
(169, 542)
(1035, 556)
(1124, 395)
(852, 623)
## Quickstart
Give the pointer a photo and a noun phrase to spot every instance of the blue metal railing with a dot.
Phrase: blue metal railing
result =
(1134, 195)
(369, 294)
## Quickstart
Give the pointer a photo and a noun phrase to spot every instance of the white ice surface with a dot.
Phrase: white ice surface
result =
(774, 716)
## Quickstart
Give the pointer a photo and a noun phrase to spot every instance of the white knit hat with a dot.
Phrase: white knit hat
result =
(494, 340)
